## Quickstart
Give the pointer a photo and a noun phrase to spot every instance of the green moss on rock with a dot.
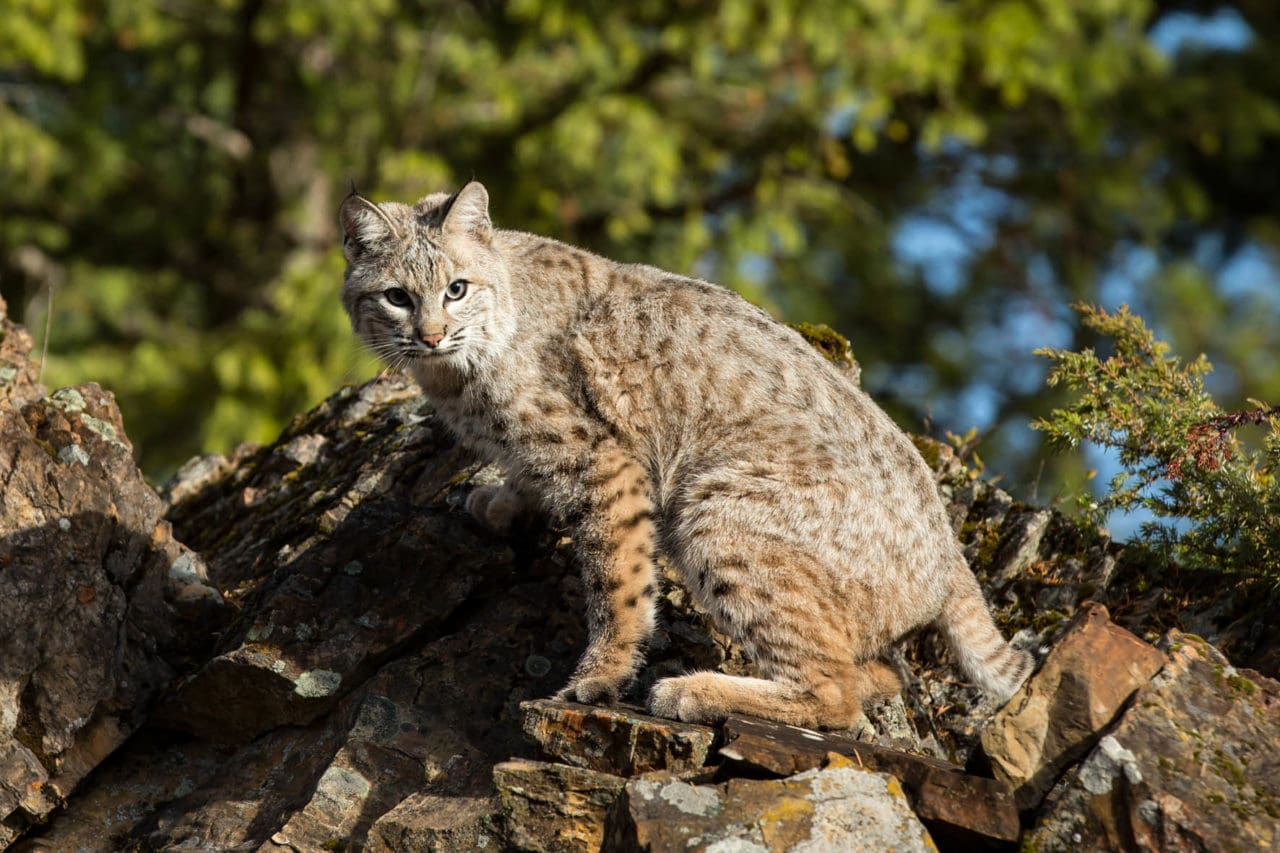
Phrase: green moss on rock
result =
(1242, 685)
(834, 346)
(986, 538)
(929, 449)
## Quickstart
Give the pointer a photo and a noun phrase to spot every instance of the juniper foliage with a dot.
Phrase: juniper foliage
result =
(1207, 476)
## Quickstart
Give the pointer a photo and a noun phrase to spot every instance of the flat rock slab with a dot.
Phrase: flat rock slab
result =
(1061, 711)
(1194, 764)
(839, 808)
(954, 805)
(615, 740)
(555, 807)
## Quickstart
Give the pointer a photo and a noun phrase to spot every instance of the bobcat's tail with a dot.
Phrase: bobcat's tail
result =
(984, 656)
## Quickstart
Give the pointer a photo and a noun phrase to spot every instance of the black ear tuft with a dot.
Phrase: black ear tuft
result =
(443, 213)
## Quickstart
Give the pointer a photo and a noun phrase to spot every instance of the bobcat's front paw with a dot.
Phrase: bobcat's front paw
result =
(494, 506)
(592, 690)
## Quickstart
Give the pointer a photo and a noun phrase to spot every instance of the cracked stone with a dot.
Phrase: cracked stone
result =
(1059, 713)
(835, 808)
(615, 740)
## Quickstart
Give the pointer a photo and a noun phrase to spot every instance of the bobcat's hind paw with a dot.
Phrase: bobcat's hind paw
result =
(666, 699)
(496, 507)
(689, 698)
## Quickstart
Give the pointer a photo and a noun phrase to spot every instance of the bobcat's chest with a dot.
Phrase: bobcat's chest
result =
(478, 422)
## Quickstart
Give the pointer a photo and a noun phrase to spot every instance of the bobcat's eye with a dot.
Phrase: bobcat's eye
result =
(456, 289)
(398, 297)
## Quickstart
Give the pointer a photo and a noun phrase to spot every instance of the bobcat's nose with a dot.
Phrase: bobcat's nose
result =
(433, 339)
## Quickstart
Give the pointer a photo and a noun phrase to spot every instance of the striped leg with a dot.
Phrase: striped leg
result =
(616, 546)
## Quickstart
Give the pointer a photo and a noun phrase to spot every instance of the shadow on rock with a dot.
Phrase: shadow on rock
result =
(382, 646)
(103, 608)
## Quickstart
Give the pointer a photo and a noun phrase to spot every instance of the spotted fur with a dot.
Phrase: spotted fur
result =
(658, 412)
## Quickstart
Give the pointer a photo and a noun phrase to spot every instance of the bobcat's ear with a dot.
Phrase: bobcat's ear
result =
(364, 225)
(467, 213)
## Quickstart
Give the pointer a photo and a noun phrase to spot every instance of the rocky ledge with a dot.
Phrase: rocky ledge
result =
(309, 646)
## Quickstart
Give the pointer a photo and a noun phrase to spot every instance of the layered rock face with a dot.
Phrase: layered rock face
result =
(103, 609)
(337, 658)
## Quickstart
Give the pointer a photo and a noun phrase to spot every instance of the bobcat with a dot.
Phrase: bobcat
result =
(657, 412)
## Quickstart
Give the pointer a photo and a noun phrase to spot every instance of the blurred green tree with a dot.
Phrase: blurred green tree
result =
(936, 178)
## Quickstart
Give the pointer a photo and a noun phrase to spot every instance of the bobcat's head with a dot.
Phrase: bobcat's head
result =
(424, 285)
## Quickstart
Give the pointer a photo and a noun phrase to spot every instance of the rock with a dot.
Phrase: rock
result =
(334, 618)
(408, 733)
(1194, 764)
(439, 824)
(555, 807)
(101, 605)
(1035, 567)
(893, 723)
(382, 646)
(955, 806)
(140, 780)
(1020, 545)
(19, 374)
(834, 347)
(379, 654)
(414, 730)
(196, 473)
(841, 807)
(615, 740)
(1061, 711)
